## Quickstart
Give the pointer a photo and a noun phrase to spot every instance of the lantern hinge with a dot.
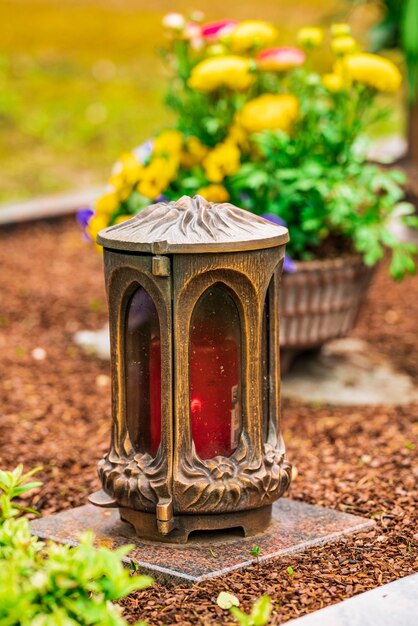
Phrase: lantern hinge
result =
(164, 513)
(161, 265)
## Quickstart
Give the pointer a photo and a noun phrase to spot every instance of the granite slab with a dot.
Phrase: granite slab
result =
(295, 526)
(394, 604)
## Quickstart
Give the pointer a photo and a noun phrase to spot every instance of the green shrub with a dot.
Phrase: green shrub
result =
(49, 584)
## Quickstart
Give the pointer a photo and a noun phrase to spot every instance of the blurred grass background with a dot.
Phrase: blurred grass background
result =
(81, 80)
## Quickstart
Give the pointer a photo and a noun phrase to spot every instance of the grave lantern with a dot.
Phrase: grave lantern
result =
(193, 292)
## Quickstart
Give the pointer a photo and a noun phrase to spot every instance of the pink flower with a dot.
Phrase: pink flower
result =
(192, 31)
(216, 30)
(280, 59)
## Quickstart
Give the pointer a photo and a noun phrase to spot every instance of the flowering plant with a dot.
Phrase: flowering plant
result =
(258, 126)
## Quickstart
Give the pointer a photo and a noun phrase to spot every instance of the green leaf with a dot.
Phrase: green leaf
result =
(261, 611)
(242, 618)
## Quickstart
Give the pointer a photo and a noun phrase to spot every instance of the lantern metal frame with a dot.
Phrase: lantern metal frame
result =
(177, 251)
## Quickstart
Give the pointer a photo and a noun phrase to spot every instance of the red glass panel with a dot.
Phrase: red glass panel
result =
(215, 372)
(143, 373)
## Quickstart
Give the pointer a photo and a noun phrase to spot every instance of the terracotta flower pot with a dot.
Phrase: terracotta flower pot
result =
(320, 301)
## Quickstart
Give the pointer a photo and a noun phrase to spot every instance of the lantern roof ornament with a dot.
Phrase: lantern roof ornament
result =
(193, 225)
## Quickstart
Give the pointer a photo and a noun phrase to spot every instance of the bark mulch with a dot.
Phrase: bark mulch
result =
(55, 412)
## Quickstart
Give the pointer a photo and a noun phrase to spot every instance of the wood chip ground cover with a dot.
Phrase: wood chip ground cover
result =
(55, 411)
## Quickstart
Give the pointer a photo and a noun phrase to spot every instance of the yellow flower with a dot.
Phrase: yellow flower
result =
(310, 37)
(340, 30)
(194, 152)
(126, 174)
(343, 45)
(96, 224)
(214, 193)
(121, 186)
(333, 82)
(269, 112)
(215, 50)
(223, 160)
(157, 176)
(228, 71)
(107, 203)
(168, 142)
(131, 167)
(122, 218)
(374, 71)
(252, 34)
(237, 135)
(150, 188)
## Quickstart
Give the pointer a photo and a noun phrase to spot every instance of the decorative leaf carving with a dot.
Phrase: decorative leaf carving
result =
(216, 485)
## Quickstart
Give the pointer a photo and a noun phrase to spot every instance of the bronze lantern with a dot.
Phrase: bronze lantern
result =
(193, 292)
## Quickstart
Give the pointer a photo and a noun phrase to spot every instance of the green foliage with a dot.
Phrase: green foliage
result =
(46, 584)
(259, 616)
(326, 195)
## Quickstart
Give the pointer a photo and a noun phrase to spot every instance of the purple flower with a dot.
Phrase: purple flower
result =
(84, 215)
(288, 265)
(161, 198)
(273, 218)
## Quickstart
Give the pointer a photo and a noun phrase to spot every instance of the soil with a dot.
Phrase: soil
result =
(55, 412)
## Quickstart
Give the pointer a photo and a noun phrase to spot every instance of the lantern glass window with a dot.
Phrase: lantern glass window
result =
(215, 374)
(143, 373)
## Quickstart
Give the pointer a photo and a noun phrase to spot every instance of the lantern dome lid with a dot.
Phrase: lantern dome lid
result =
(193, 225)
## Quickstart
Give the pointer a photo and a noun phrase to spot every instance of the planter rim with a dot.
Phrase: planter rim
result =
(317, 264)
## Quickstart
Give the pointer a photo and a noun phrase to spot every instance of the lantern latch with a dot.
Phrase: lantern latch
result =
(164, 512)
(161, 265)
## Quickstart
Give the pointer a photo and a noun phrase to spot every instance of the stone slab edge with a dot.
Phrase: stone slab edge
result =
(393, 604)
(48, 206)
(169, 575)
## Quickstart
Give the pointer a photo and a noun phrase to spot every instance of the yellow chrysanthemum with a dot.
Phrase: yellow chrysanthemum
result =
(223, 160)
(122, 218)
(214, 193)
(107, 203)
(194, 152)
(374, 71)
(228, 71)
(333, 82)
(340, 30)
(310, 37)
(168, 142)
(252, 34)
(343, 45)
(269, 112)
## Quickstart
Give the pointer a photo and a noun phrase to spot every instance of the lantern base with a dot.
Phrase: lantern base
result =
(178, 529)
